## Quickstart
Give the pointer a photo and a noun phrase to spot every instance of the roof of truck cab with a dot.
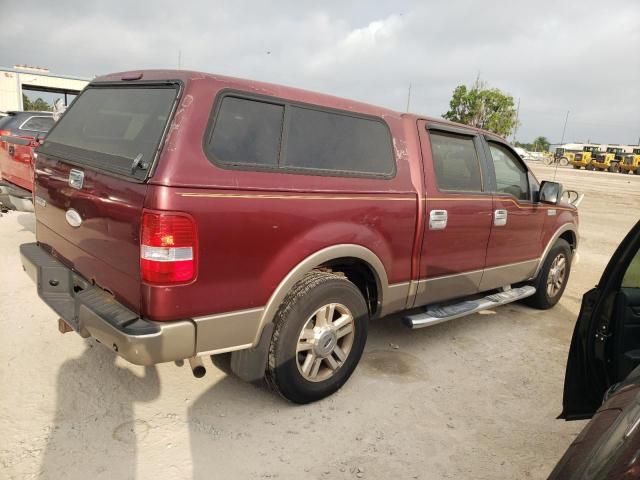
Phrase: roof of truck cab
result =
(272, 89)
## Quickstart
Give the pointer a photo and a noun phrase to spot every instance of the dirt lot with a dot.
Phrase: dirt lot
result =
(473, 398)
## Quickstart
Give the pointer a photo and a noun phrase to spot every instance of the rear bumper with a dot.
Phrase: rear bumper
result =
(92, 312)
(15, 197)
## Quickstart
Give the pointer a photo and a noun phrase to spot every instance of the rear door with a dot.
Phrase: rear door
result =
(93, 167)
(515, 244)
(605, 346)
(458, 210)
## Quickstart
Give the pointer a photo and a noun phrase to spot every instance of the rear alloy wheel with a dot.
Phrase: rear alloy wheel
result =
(325, 342)
(318, 338)
(553, 277)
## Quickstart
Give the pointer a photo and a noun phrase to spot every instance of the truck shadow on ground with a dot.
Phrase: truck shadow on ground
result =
(28, 222)
(94, 433)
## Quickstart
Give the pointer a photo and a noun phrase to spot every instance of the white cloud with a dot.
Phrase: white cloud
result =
(554, 55)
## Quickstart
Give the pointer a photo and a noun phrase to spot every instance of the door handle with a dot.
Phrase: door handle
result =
(438, 219)
(499, 218)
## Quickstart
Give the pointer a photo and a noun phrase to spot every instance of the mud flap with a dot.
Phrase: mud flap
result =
(249, 365)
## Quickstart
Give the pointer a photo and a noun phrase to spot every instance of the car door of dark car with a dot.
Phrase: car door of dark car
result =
(605, 346)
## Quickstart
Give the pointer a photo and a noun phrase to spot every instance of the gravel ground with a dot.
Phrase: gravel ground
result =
(473, 398)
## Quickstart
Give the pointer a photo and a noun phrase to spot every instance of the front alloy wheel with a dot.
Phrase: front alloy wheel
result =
(555, 278)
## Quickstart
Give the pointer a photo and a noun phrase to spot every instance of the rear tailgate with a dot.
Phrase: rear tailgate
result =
(90, 182)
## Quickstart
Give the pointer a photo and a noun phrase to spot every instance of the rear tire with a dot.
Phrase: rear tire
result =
(614, 168)
(319, 335)
(552, 278)
(564, 162)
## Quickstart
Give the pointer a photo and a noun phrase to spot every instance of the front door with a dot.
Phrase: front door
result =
(458, 213)
(515, 244)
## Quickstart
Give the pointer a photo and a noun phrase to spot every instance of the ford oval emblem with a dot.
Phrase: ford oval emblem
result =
(73, 218)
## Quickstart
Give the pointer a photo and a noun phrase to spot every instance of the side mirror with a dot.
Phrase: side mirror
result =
(550, 192)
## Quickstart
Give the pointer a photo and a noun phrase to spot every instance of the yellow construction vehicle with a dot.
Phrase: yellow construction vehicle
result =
(583, 158)
(609, 160)
(562, 156)
(631, 162)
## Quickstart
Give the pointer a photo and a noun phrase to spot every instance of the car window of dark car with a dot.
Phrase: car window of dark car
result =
(39, 124)
(455, 162)
(4, 121)
(631, 277)
(511, 175)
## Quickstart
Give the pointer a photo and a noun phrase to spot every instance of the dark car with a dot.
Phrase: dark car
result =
(19, 135)
(604, 363)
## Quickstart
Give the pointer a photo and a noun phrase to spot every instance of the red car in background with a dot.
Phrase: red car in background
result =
(20, 133)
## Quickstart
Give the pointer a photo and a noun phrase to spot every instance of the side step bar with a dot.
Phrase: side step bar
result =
(435, 314)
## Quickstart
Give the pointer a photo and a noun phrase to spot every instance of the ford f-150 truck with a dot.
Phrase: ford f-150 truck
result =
(182, 215)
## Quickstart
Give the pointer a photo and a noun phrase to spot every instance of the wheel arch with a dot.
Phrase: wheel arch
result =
(361, 263)
(567, 232)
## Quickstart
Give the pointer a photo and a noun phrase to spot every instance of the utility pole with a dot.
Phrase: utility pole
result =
(409, 97)
(564, 129)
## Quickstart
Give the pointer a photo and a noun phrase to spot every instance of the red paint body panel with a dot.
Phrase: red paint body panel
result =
(106, 247)
(249, 242)
(521, 238)
(462, 245)
(17, 167)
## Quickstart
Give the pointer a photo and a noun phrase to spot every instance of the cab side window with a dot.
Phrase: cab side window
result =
(455, 162)
(631, 277)
(511, 175)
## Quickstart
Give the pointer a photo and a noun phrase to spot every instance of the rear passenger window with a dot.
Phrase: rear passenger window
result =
(328, 141)
(247, 132)
(38, 124)
(456, 163)
(511, 176)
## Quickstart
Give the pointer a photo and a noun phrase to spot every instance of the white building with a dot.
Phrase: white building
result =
(14, 80)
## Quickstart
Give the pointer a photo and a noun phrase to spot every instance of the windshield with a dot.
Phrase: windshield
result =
(117, 129)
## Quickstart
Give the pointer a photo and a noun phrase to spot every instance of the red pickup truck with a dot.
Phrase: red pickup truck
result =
(19, 135)
(182, 214)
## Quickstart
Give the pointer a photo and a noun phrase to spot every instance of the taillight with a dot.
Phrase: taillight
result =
(168, 248)
(4, 133)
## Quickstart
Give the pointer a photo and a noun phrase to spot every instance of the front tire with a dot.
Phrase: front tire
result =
(553, 277)
(319, 335)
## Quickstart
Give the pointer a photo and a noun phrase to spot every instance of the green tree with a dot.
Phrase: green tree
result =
(540, 144)
(482, 107)
(38, 105)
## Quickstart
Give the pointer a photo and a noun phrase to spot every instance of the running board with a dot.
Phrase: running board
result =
(435, 314)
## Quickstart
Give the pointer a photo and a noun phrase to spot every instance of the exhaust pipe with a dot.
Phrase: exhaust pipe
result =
(197, 368)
